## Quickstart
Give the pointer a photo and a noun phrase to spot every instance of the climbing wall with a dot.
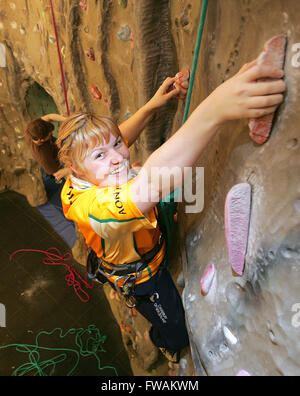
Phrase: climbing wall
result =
(114, 55)
(243, 319)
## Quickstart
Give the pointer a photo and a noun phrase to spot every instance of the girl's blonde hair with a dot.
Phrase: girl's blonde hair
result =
(81, 133)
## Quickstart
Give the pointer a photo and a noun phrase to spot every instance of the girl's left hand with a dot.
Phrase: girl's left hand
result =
(163, 94)
(255, 91)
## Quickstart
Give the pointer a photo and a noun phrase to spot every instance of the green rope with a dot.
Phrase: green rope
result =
(88, 348)
(168, 206)
(195, 61)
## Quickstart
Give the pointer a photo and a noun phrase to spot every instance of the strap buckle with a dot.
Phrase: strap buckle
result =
(128, 285)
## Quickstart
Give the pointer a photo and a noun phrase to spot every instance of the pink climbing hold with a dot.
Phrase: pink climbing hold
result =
(237, 220)
(90, 54)
(273, 54)
(95, 92)
(182, 82)
(207, 279)
(243, 373)
(83, 5)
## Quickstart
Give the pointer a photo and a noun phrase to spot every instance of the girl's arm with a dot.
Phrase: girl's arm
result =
(53, 117)
(240, 97)
(62, 174)
(132, 128)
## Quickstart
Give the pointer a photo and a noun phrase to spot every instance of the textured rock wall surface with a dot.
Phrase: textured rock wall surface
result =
(123, 49)
(248, 323)
(126, 49)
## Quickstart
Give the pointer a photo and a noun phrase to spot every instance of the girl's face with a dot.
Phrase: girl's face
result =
(39, 142)
(107, 165)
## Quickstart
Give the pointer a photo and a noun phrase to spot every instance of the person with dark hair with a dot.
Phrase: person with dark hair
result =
(42, 144)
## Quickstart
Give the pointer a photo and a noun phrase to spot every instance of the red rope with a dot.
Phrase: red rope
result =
(59, 58)
(57, 258)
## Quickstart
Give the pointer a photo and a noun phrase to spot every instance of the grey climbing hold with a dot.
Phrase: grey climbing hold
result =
(124, 33)
(180, 280)
(297, 205)
(229, 335)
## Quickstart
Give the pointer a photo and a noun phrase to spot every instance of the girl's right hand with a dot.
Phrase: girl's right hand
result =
(255, 91)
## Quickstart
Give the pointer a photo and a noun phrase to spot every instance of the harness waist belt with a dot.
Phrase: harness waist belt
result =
(135, 266)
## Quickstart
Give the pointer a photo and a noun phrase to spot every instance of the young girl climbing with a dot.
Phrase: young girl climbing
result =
(104, 197)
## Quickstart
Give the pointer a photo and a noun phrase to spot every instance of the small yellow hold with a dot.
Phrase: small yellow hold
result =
(123, 3)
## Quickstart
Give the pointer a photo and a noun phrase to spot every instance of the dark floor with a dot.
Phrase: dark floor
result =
(37, 298)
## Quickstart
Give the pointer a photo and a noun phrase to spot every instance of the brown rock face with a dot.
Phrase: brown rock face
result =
(248, 323)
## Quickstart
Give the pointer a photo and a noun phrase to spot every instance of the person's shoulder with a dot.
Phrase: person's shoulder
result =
(115, 203)
(78, 197)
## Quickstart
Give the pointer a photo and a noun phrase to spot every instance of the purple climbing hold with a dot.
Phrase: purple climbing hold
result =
(243, 373)
(237, 220)
(207, 279)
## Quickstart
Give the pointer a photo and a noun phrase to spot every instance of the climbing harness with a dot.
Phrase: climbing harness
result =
(128, 273)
